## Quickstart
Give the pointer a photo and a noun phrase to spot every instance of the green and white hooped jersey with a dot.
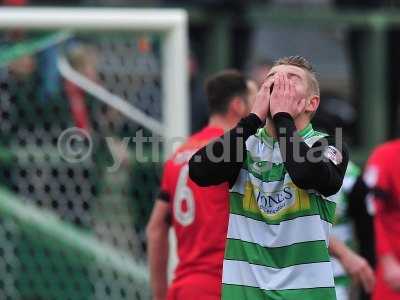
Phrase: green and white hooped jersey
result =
(277, 242)
(342, 228)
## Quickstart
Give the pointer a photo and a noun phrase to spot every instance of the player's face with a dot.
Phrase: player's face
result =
(295, 74)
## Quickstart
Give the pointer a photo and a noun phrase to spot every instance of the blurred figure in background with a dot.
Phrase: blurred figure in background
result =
(199, 216)
(24, 66)
(383, 178)
(198, 101)
(114, 200)
(343, 230)
(349, 268)
(259, 70)
(82, 59)
(353, 225)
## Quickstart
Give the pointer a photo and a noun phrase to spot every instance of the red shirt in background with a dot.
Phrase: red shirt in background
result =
(383, 175)
(200, 221)
(76, 98)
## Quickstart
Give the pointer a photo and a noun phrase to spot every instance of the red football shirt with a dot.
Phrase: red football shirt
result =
(199, 214)
(383, 175)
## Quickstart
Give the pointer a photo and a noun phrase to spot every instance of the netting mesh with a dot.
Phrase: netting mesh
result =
(90, 201)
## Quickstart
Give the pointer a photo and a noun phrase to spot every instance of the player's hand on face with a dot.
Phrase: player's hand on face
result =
(283, 97)
(261, 104)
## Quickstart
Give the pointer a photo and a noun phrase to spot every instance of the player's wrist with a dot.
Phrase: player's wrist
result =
(342, 254)
(348, 257)
(282, 114)
(338, 249)
(281, 111)
(254, 120)
(283, 120)
(260, 115)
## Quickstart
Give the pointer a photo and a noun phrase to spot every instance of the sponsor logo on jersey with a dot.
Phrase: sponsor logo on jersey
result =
(272, 203)
(275, 205)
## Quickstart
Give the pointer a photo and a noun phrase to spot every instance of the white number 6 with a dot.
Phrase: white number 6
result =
(184, 215)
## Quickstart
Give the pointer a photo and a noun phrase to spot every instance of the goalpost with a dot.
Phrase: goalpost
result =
(140, 57)
(172, 23)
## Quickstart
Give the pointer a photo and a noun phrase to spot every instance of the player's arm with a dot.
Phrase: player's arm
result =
(222, 159)
(311, 167)
(157, 239)
(355, 265)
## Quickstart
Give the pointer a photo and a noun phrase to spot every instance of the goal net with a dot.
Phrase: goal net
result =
(91, 102)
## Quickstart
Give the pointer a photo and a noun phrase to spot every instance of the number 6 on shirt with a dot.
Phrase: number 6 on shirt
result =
(184, 205)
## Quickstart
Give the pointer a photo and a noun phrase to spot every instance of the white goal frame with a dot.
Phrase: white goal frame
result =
(171, 23)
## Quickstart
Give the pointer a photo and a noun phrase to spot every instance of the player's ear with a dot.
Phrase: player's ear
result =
(312, 104)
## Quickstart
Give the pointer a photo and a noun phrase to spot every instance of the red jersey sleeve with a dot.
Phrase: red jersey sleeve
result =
(78, 107)
(377, 178)
(166, 188)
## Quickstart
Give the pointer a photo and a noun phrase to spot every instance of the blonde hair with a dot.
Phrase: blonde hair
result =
(302, 63)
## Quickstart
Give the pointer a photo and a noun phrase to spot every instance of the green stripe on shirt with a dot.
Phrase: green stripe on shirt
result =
(277, 257)
(237, 292)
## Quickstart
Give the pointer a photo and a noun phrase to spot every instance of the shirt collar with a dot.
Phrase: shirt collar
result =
(263, 134)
